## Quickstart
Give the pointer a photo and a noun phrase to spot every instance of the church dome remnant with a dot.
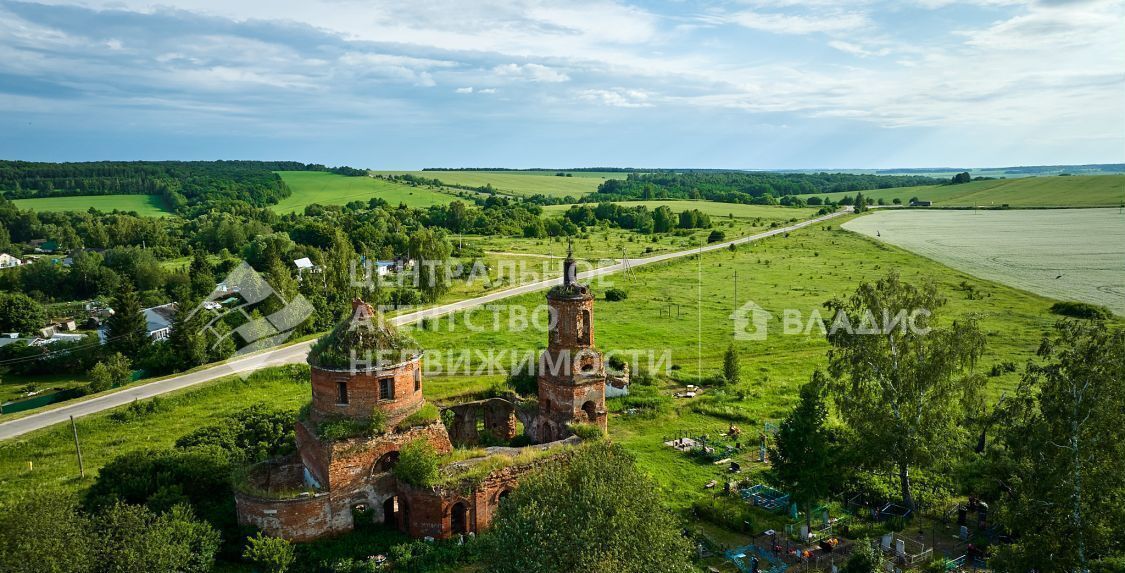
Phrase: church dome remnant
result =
(365, 365)
(364, 341)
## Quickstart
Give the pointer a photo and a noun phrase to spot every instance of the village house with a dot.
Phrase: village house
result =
(8, 261)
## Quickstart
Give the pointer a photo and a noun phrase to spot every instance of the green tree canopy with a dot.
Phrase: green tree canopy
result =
(592, 512)
(1065, 445)
(804, 456)
(20, 313)
(903, 384)
(127, 329)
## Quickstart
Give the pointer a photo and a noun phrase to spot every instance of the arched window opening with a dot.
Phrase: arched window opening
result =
(591, 411)
(391, 511)
(385, 463)
(584, 327)
(459, 518)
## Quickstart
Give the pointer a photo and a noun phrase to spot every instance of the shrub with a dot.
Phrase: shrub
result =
(425, 416)
(417, 464)
(731, 370)
(254, 434)
(587, 431)
(647, 400)
(716, 236)
(592, 493)
(524, 381)
(110, 373)
(271, 554)
(1002, 368)
(138, 409)
(615, 294)
(342, 428)
(729, 513)
(1081, 310)
(864, 559)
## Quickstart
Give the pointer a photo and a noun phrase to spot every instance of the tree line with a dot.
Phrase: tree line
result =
(743, 187)
(182, 184)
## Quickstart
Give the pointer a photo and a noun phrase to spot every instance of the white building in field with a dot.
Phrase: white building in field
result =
(8, 261)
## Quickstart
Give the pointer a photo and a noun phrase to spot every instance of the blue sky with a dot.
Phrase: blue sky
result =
(522, 83)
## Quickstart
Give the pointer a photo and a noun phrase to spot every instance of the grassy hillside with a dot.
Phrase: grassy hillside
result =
(330, 189)
(145, 205)
(1070, 254)
(1053, 191)
(525, 183)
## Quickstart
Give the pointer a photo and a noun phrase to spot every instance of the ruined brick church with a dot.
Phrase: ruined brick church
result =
(329, 484)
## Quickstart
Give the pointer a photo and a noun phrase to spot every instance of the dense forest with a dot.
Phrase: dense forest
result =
(744, 187)
(182, 184)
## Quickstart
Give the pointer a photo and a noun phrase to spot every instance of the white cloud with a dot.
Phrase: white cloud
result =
(1028, 63)
(858, 50)
(530, 72)
(797, 24)
(617, 97)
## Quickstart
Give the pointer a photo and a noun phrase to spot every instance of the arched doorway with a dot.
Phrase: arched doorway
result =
(459, 518)
(403, 515)
(385, 463)
(391, 511)
(591, 411)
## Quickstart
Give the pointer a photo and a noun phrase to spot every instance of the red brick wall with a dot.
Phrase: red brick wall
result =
(363, 392)
(314, 454)
(301, 519)
(566, 313)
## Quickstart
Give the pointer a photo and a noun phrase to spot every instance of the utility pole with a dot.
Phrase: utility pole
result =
(77, 448)
(699, 317)
(736, 289)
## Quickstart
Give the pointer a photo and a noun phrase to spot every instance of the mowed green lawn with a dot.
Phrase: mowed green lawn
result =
(1070, 254)
(712, 208)
(144, 205)
(524, 183)
(1049, 191)
(322, 188)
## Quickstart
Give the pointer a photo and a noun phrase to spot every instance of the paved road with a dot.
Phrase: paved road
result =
(297, 352)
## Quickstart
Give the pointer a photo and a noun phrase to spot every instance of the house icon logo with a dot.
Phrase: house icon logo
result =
(751, 322)
(237, 294)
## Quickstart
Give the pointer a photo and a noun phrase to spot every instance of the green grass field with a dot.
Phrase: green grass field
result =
(1069, 254)
(311, 187)
(712, 208)
(665, 307)
(51, 451)
(524, 183)
(609, 242)
(800, 272)
(144, 205)
(1052, 191)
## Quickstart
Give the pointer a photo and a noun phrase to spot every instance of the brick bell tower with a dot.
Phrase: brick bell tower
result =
(571, 371)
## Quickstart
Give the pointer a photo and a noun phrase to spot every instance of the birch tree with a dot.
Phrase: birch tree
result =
(902, 376)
